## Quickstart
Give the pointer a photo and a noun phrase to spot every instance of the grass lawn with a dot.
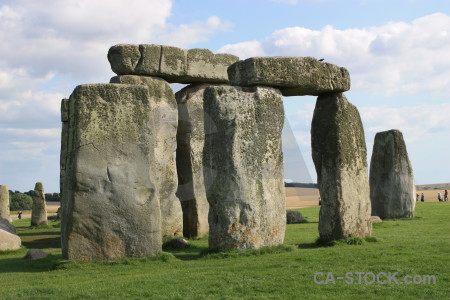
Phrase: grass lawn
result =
(410, 247)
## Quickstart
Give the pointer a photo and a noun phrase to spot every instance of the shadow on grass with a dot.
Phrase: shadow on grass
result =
(22, 265)
(53, 242)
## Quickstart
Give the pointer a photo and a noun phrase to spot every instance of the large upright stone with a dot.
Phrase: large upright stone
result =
(165, 119)
(190, 143)
(244, 161)
(110, 207)
(392, 188)
(171, 63)
(294, 76)
(39, 209)
(339, 154)
(4, 202)
(64, 142)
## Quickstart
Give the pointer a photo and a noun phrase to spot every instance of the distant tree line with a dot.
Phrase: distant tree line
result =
(301, 184)
(24, 201)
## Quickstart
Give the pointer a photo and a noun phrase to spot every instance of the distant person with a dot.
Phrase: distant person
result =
(19, 215)
(320, 201)
(445, 195)
(417, 197)
(422, 198)
(439, 196)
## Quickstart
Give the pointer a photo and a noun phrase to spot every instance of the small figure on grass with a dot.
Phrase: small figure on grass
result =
(445, 195)
(439, 197)
(422, 198)
(19, 215)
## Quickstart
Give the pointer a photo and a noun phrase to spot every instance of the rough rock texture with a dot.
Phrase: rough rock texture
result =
(4, 202)
(9, 241)
(64, 142)
(375, 219)
(39, 209)
(244, 161)
(171, 63)
(165, 118)
(34, 254)
(294, 216)
(7, 226)
(294, 76)
(178, 243)
(190, 143)
(392, 188)
(339, 154)
(110, 206)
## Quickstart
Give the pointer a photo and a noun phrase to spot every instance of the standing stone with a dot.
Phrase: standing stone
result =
(39, 209)
(110, 207)
(64, 142)
(392, 188)
(165, 119)
(339, 155)
(244, 161)
(190, 143)
(4, 202)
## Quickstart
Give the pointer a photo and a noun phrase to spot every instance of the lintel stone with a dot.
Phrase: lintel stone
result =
(293, 76)
(170, 63)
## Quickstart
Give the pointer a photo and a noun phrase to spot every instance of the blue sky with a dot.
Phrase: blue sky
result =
(396, 52)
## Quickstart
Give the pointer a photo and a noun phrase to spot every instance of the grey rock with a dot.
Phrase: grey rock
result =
(294, 76)
(339, 155)
(4, 202)
(9, 241)
(39, 209)
(165, 119)
(294, 216)
(392, 188)
(110, 207)
(64, 142)
(375, 219)
(178, 243)
(170, 63)
(34, 254)
(7, 226)
(124, 58)
(190, 142)
(243, 161)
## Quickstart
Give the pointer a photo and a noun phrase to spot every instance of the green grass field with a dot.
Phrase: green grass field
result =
(410, 247)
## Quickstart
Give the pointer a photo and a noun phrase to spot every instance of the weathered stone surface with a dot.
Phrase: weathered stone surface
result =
(190, 143)
(294, 76)
(178, 243)
(165, 119)
(171, 63)
(4, 202)
(124, 58)
(34, 254)
(9, 241)
(294, 216)
(64, 142)
(39, 209)
(7, 226)
(375, 219)
(339, 154)
(110, 207)
(392, 188)
(244, 161)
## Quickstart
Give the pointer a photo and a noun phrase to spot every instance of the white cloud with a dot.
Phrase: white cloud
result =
(50, 46)
(394, 59)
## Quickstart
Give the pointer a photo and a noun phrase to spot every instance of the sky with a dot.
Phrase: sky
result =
(397, 53)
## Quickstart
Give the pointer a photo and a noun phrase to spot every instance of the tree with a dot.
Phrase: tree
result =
(19, 201)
